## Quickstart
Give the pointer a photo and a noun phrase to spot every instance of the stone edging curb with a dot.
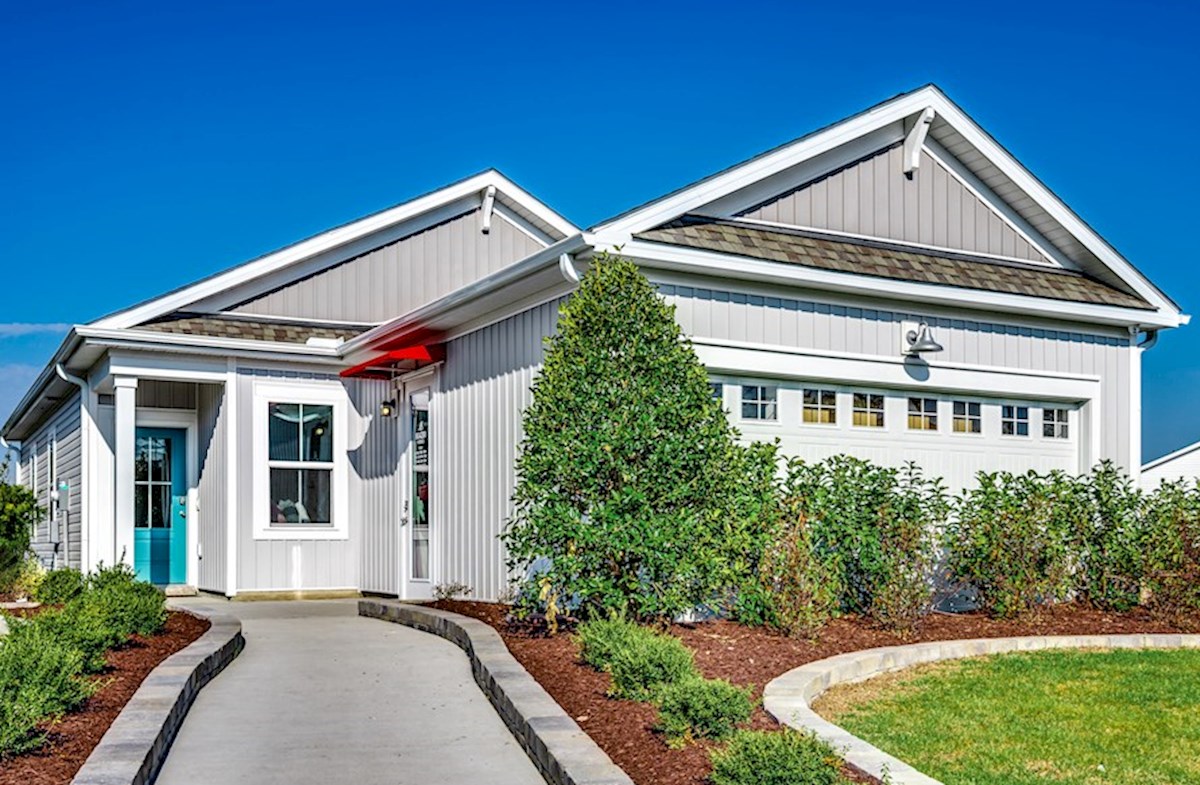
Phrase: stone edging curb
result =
(787, 698)
(561, 751)
(134, 747)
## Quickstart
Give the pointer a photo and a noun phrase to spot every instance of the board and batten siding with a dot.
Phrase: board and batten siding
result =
(61, 432)
(477, 413)
(212, 419)
(376, 479)
(874, 198)
(401, 276)
(824, 323)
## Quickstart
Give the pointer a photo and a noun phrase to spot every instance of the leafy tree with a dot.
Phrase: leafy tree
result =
(624, 478)
(18, 512)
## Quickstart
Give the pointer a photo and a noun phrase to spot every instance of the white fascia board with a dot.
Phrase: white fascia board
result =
(747, 174)
(427, 314)
(335, 238)
(203, 344)
(723, 266)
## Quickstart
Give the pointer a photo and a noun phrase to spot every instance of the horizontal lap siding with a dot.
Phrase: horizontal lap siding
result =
(484, 389)
(874, 198)
(835, 326)
(401, 276)
(63, 430)
(213, 420)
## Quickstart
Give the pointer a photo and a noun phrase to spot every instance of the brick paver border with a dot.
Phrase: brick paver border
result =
(788, 698)
(133, 749)
(560, 750)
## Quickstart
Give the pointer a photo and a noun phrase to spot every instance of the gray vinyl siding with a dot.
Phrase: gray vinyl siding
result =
(63, 431)
(375, 471)
(399, 277)
(154, 394)
(874, 198)
(873, 329)
(212, 417)
(484, 389)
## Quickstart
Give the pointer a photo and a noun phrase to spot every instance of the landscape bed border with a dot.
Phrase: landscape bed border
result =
(558, 747)
(135, 746)
(788, 698)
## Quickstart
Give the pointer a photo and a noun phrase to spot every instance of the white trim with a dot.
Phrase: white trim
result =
(332, 239)
(303, 391)
(1134, 461)
(123, 336)
(1181, 452)
(184, 419)
(523, 226)
(232, 490)
(915, 140)
(424, 379)
(658, 255)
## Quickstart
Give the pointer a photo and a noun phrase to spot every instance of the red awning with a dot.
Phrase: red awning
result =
(376, 365)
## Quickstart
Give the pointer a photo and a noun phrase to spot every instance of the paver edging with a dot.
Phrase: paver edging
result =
(558, 747)
(788, 698)
(134, 747)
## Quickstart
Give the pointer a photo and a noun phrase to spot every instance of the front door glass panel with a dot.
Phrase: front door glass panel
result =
(421, 512)
(160, 505)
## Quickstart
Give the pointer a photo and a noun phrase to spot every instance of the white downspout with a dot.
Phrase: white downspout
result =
(85, 393)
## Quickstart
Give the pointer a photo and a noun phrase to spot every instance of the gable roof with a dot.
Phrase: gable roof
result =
(886, 260)
(816, 154)
(252, 329)
(343, 242)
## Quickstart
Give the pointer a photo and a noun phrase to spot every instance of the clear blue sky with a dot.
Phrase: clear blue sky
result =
(145, 145)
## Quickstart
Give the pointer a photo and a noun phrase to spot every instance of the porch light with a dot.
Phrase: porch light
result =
(921, 340)
(387, 408)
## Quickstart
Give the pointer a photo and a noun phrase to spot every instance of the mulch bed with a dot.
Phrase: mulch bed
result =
(72, 739)
(747, 656)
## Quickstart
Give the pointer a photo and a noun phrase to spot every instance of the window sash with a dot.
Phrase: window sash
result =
(760, 402)
(820, 406)
(922, 414)
(1014, 420)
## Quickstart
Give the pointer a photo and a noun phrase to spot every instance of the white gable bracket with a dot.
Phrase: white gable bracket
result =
(489, 202)
(916, 140)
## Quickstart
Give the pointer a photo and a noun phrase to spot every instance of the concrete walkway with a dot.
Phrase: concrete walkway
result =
(322, 696)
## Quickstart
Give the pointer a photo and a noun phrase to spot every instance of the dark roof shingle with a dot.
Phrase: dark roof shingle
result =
(884, 260)
(218, 326)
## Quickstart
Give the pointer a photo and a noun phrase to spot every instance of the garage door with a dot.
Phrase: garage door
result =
(952, 436)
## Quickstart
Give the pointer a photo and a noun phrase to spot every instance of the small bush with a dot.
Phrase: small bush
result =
(58, 587)
(702, 709)
(28, 578)
(451, 591)
(18, 512)
(39, 680)
(798, 591)
(130, 609)
(776, 758)
(1110, 540)
(1172, 579)
(119, 575)
(600, 639)
(641, 668)
(84, 626)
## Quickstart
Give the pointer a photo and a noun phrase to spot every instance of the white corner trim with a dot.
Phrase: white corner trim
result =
(233, 448)
(311, 391)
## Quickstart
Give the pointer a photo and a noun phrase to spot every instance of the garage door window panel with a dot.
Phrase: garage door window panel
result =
(760, 402)
(868, 410)
(1056, 423)
(968, 417)
(922, 414)
(1014, 420)
(820, 407)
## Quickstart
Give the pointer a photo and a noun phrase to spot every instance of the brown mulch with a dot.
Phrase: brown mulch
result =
(747, 656)
(72, 739)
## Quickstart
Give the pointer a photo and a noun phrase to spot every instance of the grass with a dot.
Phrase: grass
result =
(1050, 718)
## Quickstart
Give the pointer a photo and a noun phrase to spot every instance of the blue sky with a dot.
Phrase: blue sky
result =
(143, 146)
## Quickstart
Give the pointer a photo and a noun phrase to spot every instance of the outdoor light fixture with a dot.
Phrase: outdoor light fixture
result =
(387, 408)
(921, 340)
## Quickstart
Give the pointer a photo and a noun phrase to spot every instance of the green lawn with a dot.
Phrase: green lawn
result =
(1121, 717)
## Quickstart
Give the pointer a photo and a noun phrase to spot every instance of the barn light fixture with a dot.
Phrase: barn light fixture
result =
(920, 340)
(387, 408)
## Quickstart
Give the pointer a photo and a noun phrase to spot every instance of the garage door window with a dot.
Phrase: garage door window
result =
(820, 406)
(868, 410)
(1014, 420)
(968, 417)
(759, 403)
(1054, 424)
(922, 414)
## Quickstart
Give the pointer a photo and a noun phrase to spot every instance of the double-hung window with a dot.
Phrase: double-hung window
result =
(1014, 420)
(868, 410)
(299, 462)
(760, 402)
(968, 417)
(1055, 423)
(820, 406)
(922, 414)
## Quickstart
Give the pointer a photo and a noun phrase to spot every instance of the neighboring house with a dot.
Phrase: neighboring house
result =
(344, 414)
(1183, 464)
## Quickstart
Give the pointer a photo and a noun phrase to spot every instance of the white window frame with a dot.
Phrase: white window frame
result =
(1057, 424)
(818, 407)
(266, 393)
(760, 404)
(1016, 420)
(967, 404)
(869, 410)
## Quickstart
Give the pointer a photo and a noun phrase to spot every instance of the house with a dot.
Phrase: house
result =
(1183, 464)
(343, 414)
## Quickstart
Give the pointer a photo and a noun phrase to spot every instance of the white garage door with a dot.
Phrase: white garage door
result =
(948, 435)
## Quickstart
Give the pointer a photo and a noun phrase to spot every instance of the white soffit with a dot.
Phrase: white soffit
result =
(952, 131)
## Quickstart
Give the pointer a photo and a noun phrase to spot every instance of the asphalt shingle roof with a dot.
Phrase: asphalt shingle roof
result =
(884, 260)
(249, 329)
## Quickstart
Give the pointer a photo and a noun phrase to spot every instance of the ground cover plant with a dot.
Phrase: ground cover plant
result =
(1057, 717)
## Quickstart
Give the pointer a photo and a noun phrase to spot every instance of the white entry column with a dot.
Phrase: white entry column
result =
(125, 434)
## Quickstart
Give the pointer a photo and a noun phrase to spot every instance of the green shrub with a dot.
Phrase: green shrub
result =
(86, 627)
(1172, 575)
(19, 511)
(39, 680)
(60, 586)
(623, 485)
(132, 609)
(1011, 539)
(697, 708)
(1110, 540)
(646, 663)
(783, 757)
(28, 578)
(119, 575)
(798, 589)
(600, 638)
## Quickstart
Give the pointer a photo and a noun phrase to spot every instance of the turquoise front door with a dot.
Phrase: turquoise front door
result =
(160, 505)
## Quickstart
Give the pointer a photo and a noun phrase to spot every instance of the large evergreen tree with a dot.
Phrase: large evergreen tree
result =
(623, 476)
